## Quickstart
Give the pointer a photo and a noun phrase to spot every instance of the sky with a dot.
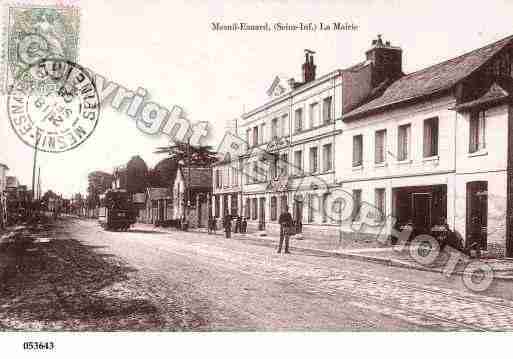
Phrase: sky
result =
(168, 48)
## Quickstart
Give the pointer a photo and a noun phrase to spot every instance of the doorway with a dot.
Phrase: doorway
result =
(477, 214)
(262, 214)
(298, 213)
(421, 212)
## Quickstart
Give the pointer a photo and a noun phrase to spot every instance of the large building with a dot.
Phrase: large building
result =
(428, 147)
(436, 145)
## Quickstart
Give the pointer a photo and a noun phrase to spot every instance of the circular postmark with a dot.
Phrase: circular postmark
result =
(54, 105)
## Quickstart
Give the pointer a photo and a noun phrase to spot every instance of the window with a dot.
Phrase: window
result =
(274, 208)
(247, 209)
(216, 206)
(254, 209)
(261, 139)
(218, 179)
(327, 157)
(298, 162)
(357, 150)
(235, 176)
(477, 139)
(380, 144)
(274, 128)
(298, 120)
(274, 167)
(284, 165)
(234, 205)
(255, 135)
(357, 203)
(284, 125)
(380, 203)
(225, 205)
(248, 137)
(313, 160)
(326, 110)
(431, 137)
(314, 115)
(403, 145)
(256, 174)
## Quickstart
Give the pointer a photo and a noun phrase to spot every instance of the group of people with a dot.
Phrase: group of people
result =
(287, 227)
(241, 224)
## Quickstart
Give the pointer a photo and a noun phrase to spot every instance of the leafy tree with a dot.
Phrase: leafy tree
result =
(187, 155)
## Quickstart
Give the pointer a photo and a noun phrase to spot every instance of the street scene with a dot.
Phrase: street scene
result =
(76, 276)
(210, 171)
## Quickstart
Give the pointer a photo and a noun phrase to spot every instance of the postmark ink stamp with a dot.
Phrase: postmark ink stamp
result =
(53, 105)
(33, 33)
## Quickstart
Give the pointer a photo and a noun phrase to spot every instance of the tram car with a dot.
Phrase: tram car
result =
(116, 210)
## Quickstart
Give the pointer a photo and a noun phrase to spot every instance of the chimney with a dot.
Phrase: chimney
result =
(386, 61)
(309, 67)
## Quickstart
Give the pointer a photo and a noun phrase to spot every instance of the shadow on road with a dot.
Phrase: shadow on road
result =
(64, 284)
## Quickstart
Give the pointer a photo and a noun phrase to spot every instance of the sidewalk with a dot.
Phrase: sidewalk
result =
(396, 256)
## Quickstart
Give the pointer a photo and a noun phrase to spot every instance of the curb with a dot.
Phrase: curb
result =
(360, 257)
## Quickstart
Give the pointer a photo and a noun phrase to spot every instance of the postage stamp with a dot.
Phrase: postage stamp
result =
(53, 105)
(33, 33)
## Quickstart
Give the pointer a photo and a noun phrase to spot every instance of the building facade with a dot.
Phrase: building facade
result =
(433, 147)
(368, 149)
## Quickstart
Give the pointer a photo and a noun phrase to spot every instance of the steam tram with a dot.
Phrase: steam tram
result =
(116, 210)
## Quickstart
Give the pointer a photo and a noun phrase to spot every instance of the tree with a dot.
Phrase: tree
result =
(99, 182)
(190, 156)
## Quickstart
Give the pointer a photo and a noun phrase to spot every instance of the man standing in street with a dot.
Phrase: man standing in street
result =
(285, 221)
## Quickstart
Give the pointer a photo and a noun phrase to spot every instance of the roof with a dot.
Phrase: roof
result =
(431, 80)
(201, 177)
(12, 182)
(156, 193)
(498, 91)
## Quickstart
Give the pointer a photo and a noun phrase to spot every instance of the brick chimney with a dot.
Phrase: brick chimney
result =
(309, 67)
(386, 61)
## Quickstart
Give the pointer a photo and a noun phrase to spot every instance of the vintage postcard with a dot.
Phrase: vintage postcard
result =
(254, 166)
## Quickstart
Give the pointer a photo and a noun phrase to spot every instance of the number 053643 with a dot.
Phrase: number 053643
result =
(38, 345)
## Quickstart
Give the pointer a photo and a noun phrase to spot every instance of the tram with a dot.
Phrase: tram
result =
(116, 210)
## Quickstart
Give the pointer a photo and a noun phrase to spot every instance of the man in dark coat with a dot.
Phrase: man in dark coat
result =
(285, 222)
(228, 225)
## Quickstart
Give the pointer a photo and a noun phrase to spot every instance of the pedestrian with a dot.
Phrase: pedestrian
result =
(214, 225)
(244, 225)
(285, 222)
(209, 225)
(238, 225)
(228, 225)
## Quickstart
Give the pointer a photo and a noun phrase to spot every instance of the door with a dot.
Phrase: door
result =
(422, 212)
(262, 213)
(477, 213)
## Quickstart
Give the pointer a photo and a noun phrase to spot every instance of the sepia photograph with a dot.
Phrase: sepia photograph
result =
(202, 177)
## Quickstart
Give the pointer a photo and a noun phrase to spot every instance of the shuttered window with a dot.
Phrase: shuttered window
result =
(380, 146)
(477, 140)
(403, 145)
(357, 150)
(431, 137)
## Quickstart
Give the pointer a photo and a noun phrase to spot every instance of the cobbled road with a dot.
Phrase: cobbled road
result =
(203, 282)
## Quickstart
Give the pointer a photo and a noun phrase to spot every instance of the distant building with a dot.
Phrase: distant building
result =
(192, 190)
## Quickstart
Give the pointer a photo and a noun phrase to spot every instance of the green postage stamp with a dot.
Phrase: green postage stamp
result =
(33, 33)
